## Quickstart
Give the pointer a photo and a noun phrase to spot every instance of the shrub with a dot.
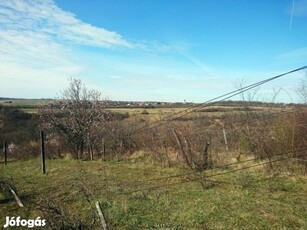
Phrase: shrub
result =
(144, 112)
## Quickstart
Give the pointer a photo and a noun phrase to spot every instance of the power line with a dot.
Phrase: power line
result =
(207, 103)
(212, 101)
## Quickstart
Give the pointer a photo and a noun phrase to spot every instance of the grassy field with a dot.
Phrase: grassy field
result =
(25, 105)
(153, 113)
(25, 102)
(156, 114)
(147, 114)
(67, 194)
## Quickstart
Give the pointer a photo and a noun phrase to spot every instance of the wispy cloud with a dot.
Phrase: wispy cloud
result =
(39, 51)
(37, 41)
(293, 55)
(44, 17)
(300, 8)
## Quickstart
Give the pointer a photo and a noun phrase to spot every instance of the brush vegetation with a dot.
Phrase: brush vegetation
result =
(224, 166)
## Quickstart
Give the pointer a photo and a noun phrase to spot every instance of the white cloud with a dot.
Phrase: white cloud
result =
(44, 17)
(38, 42)
(36, 47)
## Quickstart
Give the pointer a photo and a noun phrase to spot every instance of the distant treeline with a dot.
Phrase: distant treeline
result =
(35, 103)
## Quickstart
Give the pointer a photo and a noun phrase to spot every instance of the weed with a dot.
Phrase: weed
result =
(65, 197)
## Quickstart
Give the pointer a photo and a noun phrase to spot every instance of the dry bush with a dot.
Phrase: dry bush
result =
(74, 117)
(300, 118)
(58, 217)
(5, 185)
(279, 135)
(24, 150)
(300, 136)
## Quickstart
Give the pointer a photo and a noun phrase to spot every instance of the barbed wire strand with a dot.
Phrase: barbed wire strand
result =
(141, 182)
(198, 179)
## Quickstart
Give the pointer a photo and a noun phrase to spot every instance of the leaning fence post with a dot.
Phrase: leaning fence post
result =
(42, 137)
(101, 216)
(5, 152)
(16, 197)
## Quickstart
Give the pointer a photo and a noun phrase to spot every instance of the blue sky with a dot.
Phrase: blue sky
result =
(158, 50)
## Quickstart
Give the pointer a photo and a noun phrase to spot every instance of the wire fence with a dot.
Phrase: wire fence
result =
(205, 176)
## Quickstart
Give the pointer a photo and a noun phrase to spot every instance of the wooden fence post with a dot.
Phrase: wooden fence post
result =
(5, 152)
(43, 155)
(166, 153)
(103, 149)
(225, 138)
(16, 197)
(206, 155)
(102, 218)
(129, 144)
(90, 151)
(187, 158)
(120, 149)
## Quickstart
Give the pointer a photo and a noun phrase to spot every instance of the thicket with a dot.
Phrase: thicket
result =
(199, 142)
(20, 130)
(203, 141)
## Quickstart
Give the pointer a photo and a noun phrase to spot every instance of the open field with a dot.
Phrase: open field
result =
(155, 112)
(24, 102)
(196, 111)
(147, 114)
(243, 200)
(26, 105)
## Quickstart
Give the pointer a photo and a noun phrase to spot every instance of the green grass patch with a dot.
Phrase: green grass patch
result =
(248, 200)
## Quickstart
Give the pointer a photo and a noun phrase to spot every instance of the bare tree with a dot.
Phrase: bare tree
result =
(74, 116)
(302, 90)
(248, 96)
